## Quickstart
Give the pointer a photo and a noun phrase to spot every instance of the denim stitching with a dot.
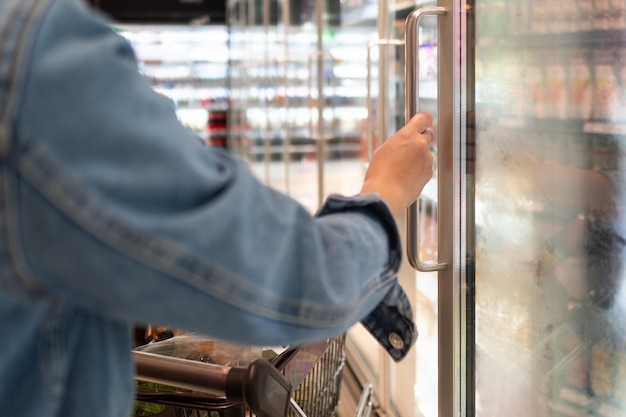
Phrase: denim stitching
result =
(82, 208)
(23, 16)
(12, 47)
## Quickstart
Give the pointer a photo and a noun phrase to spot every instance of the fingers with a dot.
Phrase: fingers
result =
(433, 134)
(421, 121)
(422, 124)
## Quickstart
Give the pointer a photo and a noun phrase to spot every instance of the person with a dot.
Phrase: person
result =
(113, 214)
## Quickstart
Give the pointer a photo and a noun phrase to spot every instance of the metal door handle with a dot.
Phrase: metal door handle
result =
(412, 99)
(320, 137)
(285, 61)
(369, 142)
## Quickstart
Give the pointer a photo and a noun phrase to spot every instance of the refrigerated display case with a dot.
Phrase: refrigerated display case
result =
(298, 86)
(519, 238)
(549, 208)
(315, 90)
(408, 387)
(530, 298)
(189, 65)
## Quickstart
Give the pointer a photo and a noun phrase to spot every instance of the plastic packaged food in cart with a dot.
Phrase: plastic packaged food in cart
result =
(196, 347)
(312, 373)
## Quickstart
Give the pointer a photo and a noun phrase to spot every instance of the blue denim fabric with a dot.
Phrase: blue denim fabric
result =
(112, 213)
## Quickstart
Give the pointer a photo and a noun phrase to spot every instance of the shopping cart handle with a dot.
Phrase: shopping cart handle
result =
(260, 386)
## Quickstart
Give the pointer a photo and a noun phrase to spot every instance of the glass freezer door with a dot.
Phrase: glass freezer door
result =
(531, 208)
(298, 93)
(545, 218)
(433, 231)
(550, 311)
(407, 388)
(420, 55)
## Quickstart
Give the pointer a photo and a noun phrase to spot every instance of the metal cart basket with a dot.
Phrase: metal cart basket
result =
(302, 381)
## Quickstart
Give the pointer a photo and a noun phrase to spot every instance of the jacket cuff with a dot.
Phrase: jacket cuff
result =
(391, 322)
(372, 206)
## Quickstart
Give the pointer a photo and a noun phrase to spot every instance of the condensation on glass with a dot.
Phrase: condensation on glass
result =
(550, 213)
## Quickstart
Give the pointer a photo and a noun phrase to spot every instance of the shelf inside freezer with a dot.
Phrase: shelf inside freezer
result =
(298, 151)
(561, 125)
(578, 39)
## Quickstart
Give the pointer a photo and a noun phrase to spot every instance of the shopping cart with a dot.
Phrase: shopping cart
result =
(302, 381)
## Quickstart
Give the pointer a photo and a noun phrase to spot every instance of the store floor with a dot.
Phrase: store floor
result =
(300, 179)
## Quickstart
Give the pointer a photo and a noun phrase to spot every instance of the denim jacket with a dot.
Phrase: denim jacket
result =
(112, 213)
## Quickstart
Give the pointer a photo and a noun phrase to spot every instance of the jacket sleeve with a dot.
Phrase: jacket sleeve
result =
(123, 212)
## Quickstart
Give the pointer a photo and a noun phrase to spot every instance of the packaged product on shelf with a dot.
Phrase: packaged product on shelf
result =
(620, 114)
(535, 87)
(606, 409)
(579, 89)
(579, 151)
(576, 367)
(555, 99)
(604, 249)
(617, 17)
(512, 72)
(605, 85)
(553, 17)
(519, 17)
(569, 16)
(555, 149)
(585, 15)
(601, 372)
(601, 14)
(538, 12)
(605, 153)
(620, 376)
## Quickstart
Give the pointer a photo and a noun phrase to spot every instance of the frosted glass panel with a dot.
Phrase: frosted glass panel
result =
(549, 208)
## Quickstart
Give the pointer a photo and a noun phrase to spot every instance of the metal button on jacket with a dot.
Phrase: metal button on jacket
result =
(396, 341)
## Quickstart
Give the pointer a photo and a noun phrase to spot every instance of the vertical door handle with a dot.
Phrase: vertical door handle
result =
(285, 61)
(412, 99)
(320, 137)
(369, 132)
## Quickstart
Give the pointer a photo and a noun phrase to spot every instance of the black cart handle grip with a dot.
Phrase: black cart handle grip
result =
(260, 386)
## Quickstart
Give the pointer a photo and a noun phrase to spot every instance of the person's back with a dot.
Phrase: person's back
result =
(112, 213)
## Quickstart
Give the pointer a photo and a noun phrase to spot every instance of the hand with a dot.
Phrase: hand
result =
(402, 165)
